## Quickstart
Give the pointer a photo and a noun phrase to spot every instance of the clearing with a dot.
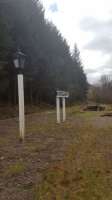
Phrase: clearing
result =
(68, 161)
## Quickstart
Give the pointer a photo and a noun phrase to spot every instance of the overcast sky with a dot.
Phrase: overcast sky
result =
(89, 24)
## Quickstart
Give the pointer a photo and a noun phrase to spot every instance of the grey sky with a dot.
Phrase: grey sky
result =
(89, 24)
(102, 34)
(101, 41)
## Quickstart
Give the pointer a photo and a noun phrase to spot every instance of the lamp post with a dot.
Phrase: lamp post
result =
(19, 60)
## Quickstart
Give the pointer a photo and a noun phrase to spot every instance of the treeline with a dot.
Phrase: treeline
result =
(49, 64)
(101, 92)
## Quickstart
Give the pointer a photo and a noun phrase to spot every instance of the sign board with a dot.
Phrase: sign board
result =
(62, 94)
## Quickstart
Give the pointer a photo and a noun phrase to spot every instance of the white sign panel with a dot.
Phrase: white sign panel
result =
(62, 94)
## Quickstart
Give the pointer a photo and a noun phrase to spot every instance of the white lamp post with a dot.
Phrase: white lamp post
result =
(19, 60)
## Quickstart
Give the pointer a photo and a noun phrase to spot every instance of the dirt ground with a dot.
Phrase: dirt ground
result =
(23, 164)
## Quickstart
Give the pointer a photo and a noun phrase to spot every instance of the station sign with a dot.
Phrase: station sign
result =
(62, 94)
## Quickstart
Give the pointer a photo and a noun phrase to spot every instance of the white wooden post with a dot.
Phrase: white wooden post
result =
(64, 111)
(58, 109)
(21, 106)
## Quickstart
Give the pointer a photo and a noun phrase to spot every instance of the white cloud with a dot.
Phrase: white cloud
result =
(53, 7)
(68, 19)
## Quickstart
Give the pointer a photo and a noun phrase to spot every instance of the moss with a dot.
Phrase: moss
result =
(15, 169)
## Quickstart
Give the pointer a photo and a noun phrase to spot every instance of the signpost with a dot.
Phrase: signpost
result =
(61, 95)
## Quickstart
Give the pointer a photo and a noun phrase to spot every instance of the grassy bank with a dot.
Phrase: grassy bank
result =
(85, 172)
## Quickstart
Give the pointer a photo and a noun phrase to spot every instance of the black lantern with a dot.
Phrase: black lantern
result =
(19, 61)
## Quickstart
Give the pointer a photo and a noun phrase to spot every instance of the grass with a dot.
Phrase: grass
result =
(78, 111)
(84, 173)
(9, 111)
(84, 184)
(15, 169)
(32, 148)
